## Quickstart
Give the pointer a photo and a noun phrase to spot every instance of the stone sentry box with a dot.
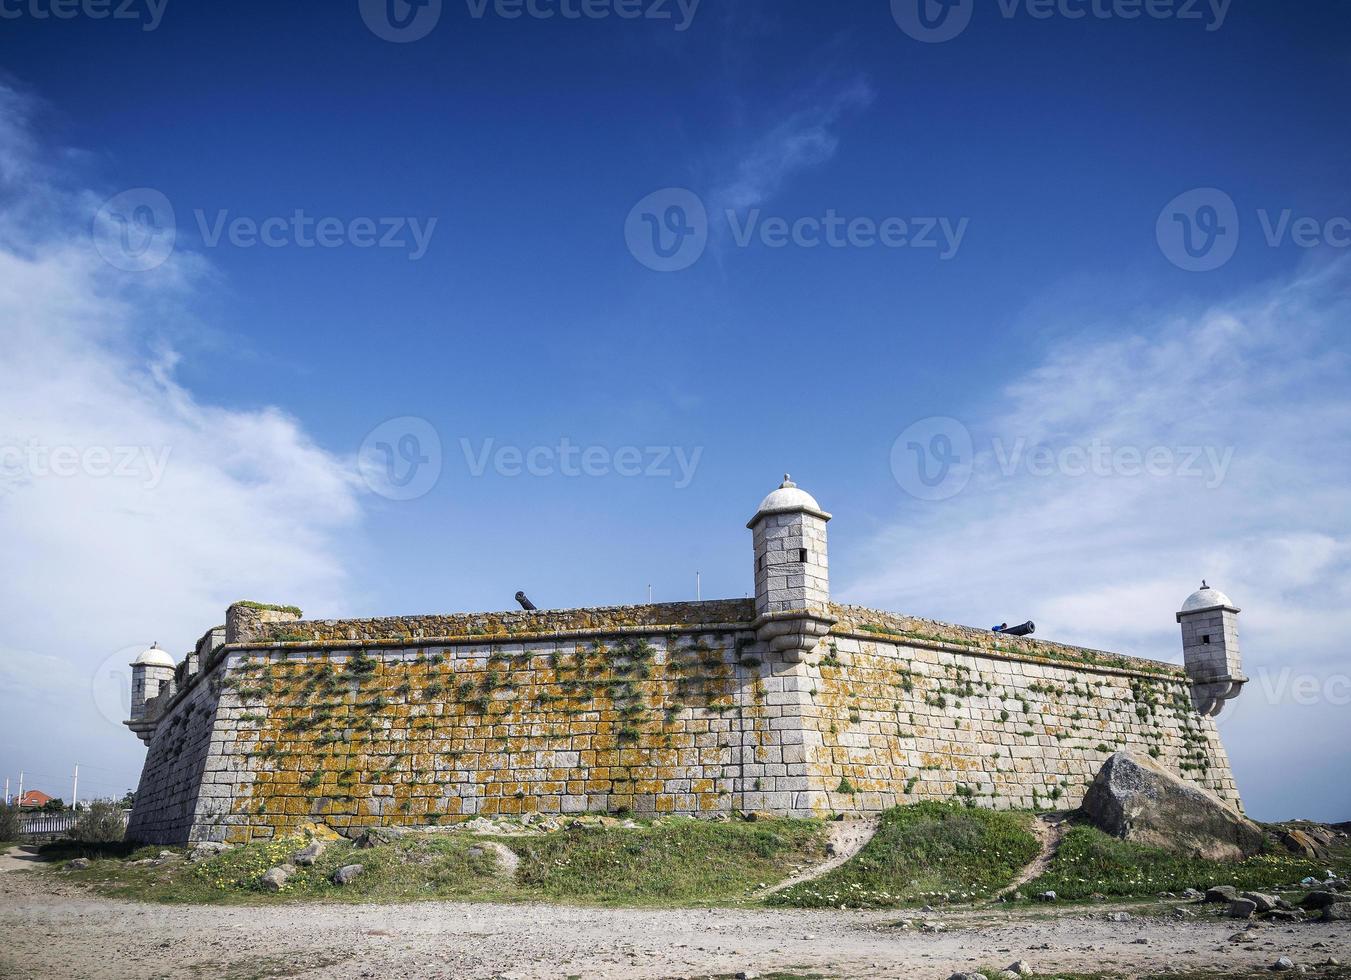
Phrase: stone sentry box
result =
(786, 703)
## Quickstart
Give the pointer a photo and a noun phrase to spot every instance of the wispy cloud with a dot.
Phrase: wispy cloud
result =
(161, 508)
(805, 138)
(1105, 560)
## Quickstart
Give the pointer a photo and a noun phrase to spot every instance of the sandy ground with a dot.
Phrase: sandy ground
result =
(54, 928)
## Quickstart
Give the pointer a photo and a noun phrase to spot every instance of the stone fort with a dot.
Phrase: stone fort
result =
(787, 704)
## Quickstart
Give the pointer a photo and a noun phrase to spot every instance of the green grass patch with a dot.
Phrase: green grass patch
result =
(675, 862)
(671, 862)
(922, 852)
(1090, 861)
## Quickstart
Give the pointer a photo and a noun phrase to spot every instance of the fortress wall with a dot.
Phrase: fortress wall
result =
(900, 722)
(416, 734)
(660, 709)
(175, 771)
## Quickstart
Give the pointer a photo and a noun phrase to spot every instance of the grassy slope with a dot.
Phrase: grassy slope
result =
(1090, 861)
(921, 852)
(670, 863)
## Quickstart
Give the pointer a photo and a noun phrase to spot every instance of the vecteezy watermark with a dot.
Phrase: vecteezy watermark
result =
(933, 458)
(936, 21)
(1286, 688)
(570, 460)
(148, 13)
(137, 231)
(936, 458)
(35, 460)
(668, 231)
(402, 21)
(110, 683)
(300, 230)
(400, 459)
(1199, 231)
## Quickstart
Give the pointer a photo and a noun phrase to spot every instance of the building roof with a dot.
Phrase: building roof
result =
(34, 797)
(1207, 598)
(788, 498)
(154, 657)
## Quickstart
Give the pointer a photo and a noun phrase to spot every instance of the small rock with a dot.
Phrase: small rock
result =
(1221, 893)
(274, 879)
(207, 849)
(1264, 903)
(1118, 916)
(1284, 963)
(1322, 899)
(1022, 968)
(1246, 936)
(347, 874)
(306, 856)
(78, 864)
(1341, 912)
(375, 836)
(1242, 908)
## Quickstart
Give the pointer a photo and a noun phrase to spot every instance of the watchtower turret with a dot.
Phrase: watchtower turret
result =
(1210, 651)
(792, 570)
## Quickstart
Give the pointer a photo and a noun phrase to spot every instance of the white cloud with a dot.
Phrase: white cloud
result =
(172, 507)
(805, 138)
(1106, 560)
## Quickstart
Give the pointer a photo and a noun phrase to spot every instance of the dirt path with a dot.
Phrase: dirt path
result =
(18, 859)
(1050, 831)
(847, 838)
(55, 928)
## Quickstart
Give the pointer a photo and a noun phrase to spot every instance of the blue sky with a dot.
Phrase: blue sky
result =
(1059, 320)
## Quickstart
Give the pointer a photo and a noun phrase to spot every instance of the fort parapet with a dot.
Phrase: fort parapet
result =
(786, 703)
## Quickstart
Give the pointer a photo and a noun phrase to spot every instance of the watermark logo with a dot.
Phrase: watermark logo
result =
(301, 230)
(34, 460)
(936, 21)
(135, 230)
(1287, 688)
(148, 13)
(401, 21)
(1198, 231)
(932, 21)
(667, 231)
(110, 684)
(933, 458)
(401, 459)
(567, 459)
(936, 458)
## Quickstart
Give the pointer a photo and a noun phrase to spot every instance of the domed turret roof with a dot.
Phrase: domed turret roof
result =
(1206, 598)
(788, 498)
(154, 657)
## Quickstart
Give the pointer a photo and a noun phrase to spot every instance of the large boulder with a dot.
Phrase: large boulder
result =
(1136, 799)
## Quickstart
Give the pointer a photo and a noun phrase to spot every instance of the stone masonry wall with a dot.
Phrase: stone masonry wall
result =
(658, 709)
(897, 722)
(419, 734)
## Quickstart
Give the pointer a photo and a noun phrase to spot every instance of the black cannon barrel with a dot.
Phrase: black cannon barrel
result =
(524, 600)
(1027, 629)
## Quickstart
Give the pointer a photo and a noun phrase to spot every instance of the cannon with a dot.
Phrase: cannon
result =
(1026, 629)
(524, 600)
